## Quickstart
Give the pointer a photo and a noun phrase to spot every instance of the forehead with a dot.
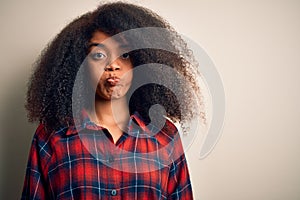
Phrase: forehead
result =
(107, 40)
(99, 36)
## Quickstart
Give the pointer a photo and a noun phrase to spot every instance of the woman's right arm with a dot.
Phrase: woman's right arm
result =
(35, 185)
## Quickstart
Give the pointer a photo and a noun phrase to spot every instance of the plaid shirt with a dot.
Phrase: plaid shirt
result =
(84, 163)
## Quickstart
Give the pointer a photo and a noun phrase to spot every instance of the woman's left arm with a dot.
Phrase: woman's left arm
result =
(179, 184)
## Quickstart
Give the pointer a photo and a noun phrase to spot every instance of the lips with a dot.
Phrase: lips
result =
(113, 81)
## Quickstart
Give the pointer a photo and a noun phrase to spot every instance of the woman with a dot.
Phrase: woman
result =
(96, 139)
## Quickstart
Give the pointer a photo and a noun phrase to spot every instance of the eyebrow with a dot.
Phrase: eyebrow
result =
(96, 45)
(103, 46)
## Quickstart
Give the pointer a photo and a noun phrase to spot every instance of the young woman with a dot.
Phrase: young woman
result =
(99, 137)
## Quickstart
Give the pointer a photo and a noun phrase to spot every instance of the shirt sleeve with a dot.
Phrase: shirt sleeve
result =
(35, 186)
(179, 185)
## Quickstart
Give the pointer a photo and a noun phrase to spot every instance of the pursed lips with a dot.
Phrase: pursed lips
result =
(113, 81)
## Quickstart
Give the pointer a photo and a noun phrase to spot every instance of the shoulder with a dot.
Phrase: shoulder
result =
(170, 128)
(171, 131)
(43, 135)
(45, 140)
(168, 134)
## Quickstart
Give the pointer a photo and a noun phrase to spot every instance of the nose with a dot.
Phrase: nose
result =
(114, 66)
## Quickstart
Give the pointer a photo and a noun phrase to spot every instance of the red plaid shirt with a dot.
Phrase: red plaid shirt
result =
(83, 163)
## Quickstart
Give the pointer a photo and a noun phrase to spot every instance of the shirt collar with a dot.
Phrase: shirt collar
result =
(86, 123)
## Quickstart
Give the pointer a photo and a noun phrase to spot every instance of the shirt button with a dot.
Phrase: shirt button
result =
(111, 159)
(113, 192)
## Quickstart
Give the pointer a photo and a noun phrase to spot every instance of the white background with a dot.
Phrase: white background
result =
(255, 46)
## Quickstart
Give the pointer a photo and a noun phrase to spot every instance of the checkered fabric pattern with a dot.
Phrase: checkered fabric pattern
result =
(84, 163)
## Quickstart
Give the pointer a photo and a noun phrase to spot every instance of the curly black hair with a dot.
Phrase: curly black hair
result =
(50, 89)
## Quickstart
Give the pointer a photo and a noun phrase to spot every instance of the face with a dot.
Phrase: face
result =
(110, 66)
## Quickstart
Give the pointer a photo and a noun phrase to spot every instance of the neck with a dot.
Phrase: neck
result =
(111, 113)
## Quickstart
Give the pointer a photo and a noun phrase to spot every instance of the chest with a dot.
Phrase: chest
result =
(94, 166)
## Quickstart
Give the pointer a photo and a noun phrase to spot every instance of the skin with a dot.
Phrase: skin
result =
(110, 69)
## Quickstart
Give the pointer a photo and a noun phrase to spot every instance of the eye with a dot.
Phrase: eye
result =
(98, 56)
(125, 56)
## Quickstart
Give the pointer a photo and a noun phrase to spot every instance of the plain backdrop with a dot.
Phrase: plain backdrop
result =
(255, 46)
